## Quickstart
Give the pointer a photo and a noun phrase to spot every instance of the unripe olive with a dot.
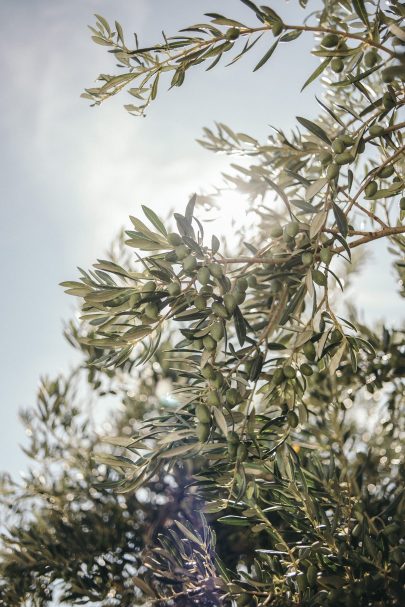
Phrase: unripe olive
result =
(203, 413)
(252, 281)
(292, 419)
(203, 275)
(386, 171)
(330, 40)
(371, 188)
(233, 397)
(337, 65)
(347, 140)
(289, 372)
(325, 158)
(345, 158)
(307, 258)
(215, 270)
(206, 290)
(278, 377)
(338, 146)
(174, 239)
(181, 252)
(174, 289)
(275, 231)
(336, 335)
(388, 101)
(241, 284)
(189, 263)
(309, 350)
(200, 302)
(370, 58)
(230, 303)
(376, 130)
(152, 311)
(198, 343)
(275, 285)
(213, 398)
(217, 331)
(218, 380)
(219, 310)
(333, 171)
(209, 343)
(402, 204)
(232, 438)
(387, 75)
(232, 33)
(319, 278)
(208, 372)
(326, 255)
(149, 287)
(242, 453)
(292, 229)
(203, 432)
(277, 28)
(306, 369)
(239, 296)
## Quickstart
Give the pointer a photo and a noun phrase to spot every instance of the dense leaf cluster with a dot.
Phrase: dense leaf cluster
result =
(272, 474)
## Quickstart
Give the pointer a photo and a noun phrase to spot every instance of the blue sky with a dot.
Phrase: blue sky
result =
(72, 174)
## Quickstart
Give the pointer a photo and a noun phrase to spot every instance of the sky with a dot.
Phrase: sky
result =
(71, 174)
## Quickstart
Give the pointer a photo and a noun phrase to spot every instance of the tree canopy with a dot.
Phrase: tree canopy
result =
(272, 474)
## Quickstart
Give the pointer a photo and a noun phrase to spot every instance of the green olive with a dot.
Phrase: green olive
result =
(241, 284)
(230, 303)
(189, 263)
(174, 289)
(292, 419)
(337, 65)
(307, 258)
(174, 239)
(203, 413)
(277, 28)
(203, 275)
(278, 377)
(217, 330)
(203, 432)
(330, 40)
(289, 372)
(309, 350)
(233, 397)
(181, 251)
(218, 380)
(306, 369)
(215, 270)
(152, 311)
(325, 158)
(219, 310)
(319, 278)
(376, 130)
(208, 372)
(371, 188)
(402, 204)
(326, 255)
(386, 171)
(200, 302)
(209, 343)
(338, 146)
(292, 229)
(333, 171)
(370, 58)
(149, 287)
(232, 33)
(276, 231)
(344, 158)
(213, 398)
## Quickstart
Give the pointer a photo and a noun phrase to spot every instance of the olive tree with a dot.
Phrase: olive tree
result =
(285, 425)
